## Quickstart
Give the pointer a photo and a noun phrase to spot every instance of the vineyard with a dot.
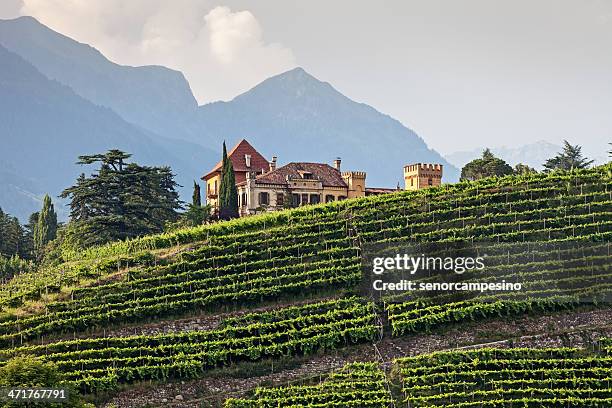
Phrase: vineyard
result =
(561, 377)
(552, 231)
(356, 385)
(99, 364)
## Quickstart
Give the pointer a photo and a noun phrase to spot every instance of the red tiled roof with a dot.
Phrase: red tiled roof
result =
(236, 155)
(329, 176)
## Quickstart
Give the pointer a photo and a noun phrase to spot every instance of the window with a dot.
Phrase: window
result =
(340, 198)
(307, 176)
(430, 181)
(264, 198)
(215, 187)
(304, 199)
(411, 181)
(280, 199)
(295, 200)
(244, 199)
(329, 198)
(315, 199)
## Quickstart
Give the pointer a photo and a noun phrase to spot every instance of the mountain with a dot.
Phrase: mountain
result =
(292, 115)
(298, 118)
(153, 97)
(45, 126)
(534, 154)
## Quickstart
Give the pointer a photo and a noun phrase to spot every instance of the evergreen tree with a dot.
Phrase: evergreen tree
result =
(228, 193)
(46, 226)
(122, 200)
(196, 199)
(569, 158)
(486, 166)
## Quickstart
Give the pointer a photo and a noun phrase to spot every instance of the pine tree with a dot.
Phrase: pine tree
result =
(228, 193)
(122, 200)
(46, 226)
(196, 199)
(569, 158)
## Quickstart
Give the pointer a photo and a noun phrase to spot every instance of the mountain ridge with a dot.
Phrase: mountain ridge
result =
(292, 115)
(55, 126)
(298, 109)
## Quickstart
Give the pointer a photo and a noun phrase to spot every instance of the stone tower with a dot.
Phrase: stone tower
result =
(355, 180)
(422, 175)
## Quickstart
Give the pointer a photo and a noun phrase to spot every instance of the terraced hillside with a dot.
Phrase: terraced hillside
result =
(251, 274)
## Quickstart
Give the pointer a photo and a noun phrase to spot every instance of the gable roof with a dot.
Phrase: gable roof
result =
(236, 155)
(329, 176)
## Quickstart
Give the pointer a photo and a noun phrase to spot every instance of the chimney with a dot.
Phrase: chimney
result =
(247, 160)
(273, 163)
(337, 163)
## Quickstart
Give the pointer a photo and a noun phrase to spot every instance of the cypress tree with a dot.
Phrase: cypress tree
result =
(228, 193)
(196, 199)
(46, 226)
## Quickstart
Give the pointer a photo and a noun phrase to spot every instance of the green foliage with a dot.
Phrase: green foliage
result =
(522, 169)
(228, 193)
(13, 266)
(486, 166)
(197, 215)
(122, 200)
(196, 199)
(569, 158)
(14, 240)
(45, 229)
(29, 371)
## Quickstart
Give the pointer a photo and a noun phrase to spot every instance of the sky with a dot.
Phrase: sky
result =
(462, 74)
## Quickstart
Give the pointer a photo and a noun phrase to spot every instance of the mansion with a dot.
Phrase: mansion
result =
(262, 186)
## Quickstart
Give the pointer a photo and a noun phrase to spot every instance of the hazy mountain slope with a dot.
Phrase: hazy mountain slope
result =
(292, 115)
(44, 126)
(534, 154)
(154, 97)
(299, 118)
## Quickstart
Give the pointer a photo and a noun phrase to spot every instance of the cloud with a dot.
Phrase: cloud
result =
(221, 51)
(232, 33)
(10, 8)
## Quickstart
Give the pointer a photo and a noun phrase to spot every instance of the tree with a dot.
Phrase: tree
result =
(121, 200)
(228, 193)
(196, 213)
(28, 371)
(196, 199)
(486, 166)
(13, 238)
(521, 168)
(569, 158)
(45, 229)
